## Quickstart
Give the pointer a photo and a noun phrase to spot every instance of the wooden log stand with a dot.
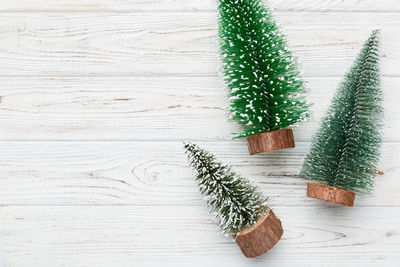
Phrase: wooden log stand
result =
(331, 194)
(261, 237)
(270, 141)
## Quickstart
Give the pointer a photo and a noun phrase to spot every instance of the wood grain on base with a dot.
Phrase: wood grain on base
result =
(270, 141)
(256, 240)
(331, 194)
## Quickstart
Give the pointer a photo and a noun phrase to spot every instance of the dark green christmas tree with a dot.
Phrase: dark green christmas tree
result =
(265, 89)
(233, 201)
(345, 151)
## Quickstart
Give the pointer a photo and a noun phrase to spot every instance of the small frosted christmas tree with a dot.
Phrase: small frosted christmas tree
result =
(266, 93)
(345, 151)
(238, 207)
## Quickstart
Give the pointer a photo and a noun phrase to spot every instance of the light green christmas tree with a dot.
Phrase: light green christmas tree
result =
(233, 201)
(345, 150)
(265, 89)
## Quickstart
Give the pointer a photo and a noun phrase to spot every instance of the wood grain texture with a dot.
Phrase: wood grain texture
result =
(195, 5)
(270, 141)
(157, 173)
(95, 97)
(145, 108)
(259, 238)
(120, 236)
(331, 194)
(90, 44)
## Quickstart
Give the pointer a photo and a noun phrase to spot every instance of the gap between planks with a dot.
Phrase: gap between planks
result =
(166, 75)
(274, 10)
(194, 6)
(100, 141)
(327, 205)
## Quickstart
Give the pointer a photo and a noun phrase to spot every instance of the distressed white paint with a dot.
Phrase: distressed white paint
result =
(195, 5)
(95, 97)
(144, 108)
(123, 236)
(156, 173)
(176, 43)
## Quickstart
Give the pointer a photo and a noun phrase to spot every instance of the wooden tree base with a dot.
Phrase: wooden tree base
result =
(261, 237)
(270, 141)
(331, 194)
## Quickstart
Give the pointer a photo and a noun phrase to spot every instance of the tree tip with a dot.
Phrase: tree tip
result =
(373, 39)
(186, 143)
(375, 34)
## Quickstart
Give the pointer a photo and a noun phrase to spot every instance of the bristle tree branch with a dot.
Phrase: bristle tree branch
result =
(238, 206)
(345, 151)
(265, 90)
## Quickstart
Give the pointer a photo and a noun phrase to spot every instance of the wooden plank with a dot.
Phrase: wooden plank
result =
(144, 108)
(182, 236)
(157, 173)
(195, 5)
(91, 44)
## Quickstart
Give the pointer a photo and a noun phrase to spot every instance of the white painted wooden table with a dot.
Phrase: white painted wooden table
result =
(96, 96)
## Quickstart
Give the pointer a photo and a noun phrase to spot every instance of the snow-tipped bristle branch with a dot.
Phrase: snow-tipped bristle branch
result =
(233, 200)
(265, 89)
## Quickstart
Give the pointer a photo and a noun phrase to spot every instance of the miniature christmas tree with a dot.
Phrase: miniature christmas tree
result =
(345, 151)
(266, 93)
(238, 207)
